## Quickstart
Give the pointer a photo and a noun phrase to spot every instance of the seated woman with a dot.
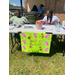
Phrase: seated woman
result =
(41, 10)
(15, 19)
(50, 18)
(35, 8)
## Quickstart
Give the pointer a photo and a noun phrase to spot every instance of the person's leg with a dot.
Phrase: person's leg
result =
(18, 37)
(13, 34)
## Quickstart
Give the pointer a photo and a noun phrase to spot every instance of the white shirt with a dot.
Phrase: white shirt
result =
(54, 19)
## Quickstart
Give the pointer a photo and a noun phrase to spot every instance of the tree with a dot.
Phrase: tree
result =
(10, 4)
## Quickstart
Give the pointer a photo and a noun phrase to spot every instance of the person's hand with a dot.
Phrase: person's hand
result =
(52, 22)
(10, 22)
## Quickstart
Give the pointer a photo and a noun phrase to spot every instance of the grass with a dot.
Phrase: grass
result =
(21, 63)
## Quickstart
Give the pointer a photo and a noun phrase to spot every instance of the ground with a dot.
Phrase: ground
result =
(21, 63)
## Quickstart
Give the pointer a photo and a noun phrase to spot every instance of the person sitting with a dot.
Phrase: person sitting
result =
(50, 19)
(41, 10)
(46, 14)
(15, 19)
(35, 8)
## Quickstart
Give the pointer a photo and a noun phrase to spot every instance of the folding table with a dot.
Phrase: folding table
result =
(19, 30)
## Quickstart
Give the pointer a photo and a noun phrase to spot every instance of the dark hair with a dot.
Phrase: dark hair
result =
(19, 14)
(35, 7)
(19, 11)
(42, 5)
(51, 12)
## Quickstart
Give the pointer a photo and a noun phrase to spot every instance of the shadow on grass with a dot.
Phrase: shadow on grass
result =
(54, 49)
(19, 48)
(58, 48)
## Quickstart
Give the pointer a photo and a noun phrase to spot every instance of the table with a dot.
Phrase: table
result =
(18, 30)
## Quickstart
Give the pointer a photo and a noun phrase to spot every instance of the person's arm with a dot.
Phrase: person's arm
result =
(42, 11)
(10, 22)
(44, 19)
(25, 20)
(57, 20)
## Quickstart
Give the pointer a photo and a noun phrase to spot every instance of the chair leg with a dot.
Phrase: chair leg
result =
(12, 43)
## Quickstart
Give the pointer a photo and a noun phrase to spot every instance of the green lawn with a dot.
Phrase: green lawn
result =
(21, 63)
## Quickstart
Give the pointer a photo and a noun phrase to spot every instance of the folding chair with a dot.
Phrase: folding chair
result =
(36, 42)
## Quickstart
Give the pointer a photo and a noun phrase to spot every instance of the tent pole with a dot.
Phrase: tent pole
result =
(21, 8)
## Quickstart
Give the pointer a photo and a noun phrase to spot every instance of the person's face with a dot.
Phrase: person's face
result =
(48, 14)
(34, 7)
(17, 14)
(40, 6)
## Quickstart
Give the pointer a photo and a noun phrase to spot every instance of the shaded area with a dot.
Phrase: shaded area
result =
(58, 48)
(19, 48)
(54, 49)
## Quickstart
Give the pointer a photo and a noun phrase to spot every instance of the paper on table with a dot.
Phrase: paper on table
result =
(47, 27)
(60, 29)
(28, 26)
(11, 27)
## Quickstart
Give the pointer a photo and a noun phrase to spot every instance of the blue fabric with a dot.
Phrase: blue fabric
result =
(16, 36)
(13, 34)
(34, 10)
(59, 26)
(41, 10)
